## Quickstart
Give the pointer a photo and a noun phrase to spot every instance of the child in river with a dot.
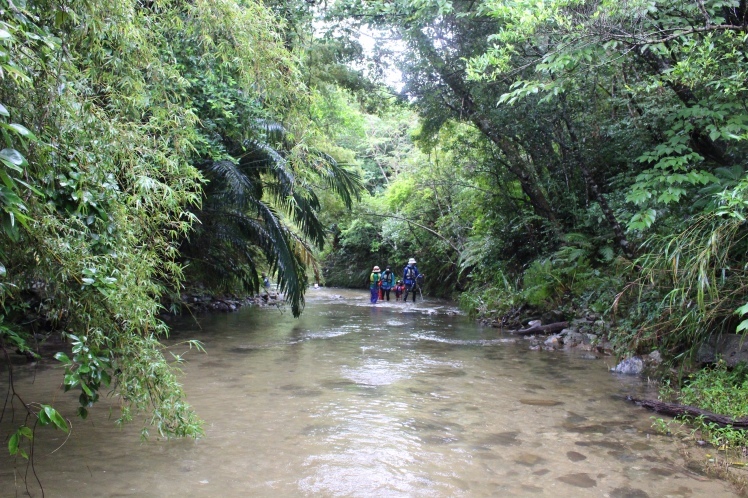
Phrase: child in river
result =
(399, 287)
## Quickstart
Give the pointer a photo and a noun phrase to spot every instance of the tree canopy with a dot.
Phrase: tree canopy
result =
(562, 155)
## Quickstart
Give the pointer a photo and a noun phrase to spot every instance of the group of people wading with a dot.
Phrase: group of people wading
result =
(381, 283)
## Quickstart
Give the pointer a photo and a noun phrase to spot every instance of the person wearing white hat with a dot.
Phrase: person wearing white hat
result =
(410, 274)
(374, 281)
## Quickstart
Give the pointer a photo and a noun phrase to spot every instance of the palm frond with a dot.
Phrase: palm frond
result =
(231, 184)
(345, 183)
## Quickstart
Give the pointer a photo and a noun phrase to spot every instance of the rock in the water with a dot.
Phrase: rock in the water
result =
(575, 456)
(574, 339)
(552, 342)
(540, 402)
(581, 480)
(629, 366)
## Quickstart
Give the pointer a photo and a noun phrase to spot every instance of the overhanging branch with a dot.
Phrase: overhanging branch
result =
(434, 232)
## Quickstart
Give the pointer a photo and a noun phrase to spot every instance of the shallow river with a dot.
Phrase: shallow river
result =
(392, 400)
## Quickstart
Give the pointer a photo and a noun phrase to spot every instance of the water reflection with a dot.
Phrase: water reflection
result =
(389, 400)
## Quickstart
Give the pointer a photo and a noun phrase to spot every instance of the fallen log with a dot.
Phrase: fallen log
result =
(541, 329)
(676, 410)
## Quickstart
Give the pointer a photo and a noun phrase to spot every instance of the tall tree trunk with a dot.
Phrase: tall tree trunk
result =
(620, 234)
(700, 140)
(515, 163)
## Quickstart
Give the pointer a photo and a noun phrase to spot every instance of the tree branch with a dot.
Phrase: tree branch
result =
(434, 232)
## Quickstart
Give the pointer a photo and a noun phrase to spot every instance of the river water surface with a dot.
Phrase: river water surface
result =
(391, 400)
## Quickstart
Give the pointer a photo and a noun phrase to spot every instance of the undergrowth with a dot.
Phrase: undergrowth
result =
(718, 389)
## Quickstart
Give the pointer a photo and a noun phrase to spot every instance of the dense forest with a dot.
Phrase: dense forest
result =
(568, 156)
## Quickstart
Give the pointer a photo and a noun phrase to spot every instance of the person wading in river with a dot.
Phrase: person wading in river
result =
(410, 275)
(374, 280)
(265, 287)
(399, 288)
(388, 282)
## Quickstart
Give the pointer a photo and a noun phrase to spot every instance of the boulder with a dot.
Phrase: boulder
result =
(573, 339)
(654, 358)
(629, 366)
(553, 341)
(732, 348)
(552, 316)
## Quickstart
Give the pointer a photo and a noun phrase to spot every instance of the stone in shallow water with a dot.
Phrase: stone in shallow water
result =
(450, 373)
(611, 445)
(623, 456)
(580, 480)
(575, 418)
(575, 456)
(640, 447)
(661, 472)
(485, 455)
(439, 440)
(540, 402)
(535, 386)
(682, 491)
(628, 493)
(629, 366)
(502, 439)
(527, 488)
(528, 459)
(588, 429)
(541, 472)
(243, 350)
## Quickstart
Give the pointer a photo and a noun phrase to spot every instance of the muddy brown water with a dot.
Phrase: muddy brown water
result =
(392, 400)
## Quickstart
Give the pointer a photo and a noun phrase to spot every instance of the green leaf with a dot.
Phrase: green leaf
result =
(63, 358)
(43, 417)
(4, 111)
(55, 417)
(13, 444)
(742, 310)
(21, 130)
(13, 159)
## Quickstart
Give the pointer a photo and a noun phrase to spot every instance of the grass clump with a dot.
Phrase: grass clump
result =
(722, 390)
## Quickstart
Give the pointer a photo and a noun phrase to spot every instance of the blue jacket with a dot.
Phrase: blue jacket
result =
(388, 281)
(410, 281)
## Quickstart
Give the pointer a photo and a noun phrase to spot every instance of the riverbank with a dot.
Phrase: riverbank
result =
(713, 443)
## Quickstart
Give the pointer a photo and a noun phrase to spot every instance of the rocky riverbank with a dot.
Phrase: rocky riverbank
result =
(197, 303)
(589, 333)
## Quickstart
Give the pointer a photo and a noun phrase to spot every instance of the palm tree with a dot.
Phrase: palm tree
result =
(261, 210)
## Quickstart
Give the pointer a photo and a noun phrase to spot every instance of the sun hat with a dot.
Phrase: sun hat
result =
(376, 269)
(411, 261)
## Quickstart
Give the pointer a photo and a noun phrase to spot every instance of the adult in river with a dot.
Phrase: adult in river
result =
(410, 276)
(388, 282)
(374, 281)
(265, 287)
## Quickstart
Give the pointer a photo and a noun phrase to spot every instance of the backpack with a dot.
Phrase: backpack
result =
(374, 278)
(387, 277)
(410, 273)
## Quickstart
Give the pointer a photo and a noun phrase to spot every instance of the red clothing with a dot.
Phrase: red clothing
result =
(399, 288)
